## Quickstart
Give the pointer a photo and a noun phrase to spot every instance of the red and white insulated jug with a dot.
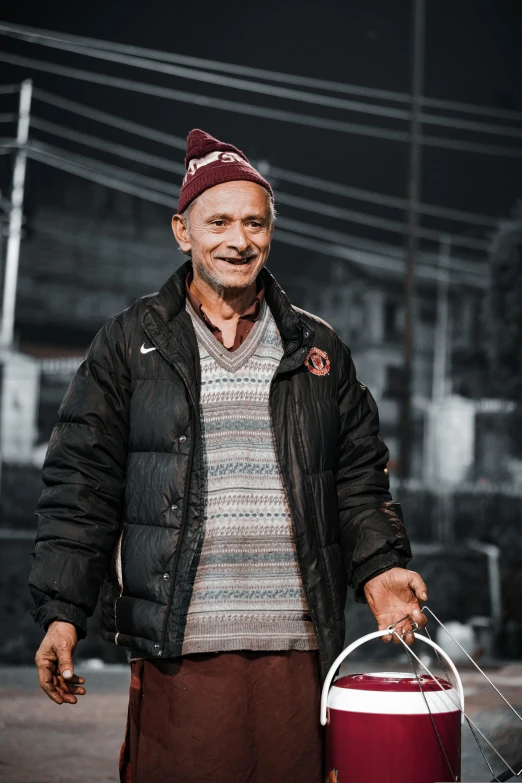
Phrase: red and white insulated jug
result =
(381, 728)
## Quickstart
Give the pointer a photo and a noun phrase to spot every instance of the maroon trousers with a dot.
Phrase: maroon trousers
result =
(234, 717)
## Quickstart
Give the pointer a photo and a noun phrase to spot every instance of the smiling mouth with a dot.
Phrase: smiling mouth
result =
(237, 261)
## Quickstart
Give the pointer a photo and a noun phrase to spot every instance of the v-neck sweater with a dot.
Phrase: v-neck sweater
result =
(247, 590)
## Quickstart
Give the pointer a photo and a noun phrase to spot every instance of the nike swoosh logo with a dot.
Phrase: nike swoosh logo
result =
(146, 350)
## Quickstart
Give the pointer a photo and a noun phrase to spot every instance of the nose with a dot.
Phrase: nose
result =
(236, 237)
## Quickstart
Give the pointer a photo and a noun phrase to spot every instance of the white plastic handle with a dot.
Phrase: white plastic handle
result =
(376, 635)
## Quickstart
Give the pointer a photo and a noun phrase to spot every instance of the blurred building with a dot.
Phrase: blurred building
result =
(89, 252)
(366, 308)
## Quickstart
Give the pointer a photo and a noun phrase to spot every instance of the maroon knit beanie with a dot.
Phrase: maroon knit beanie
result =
(211, 162)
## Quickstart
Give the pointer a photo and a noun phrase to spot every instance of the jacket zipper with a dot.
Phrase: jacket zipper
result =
(180, 541)
(185, 494)
(287, 495)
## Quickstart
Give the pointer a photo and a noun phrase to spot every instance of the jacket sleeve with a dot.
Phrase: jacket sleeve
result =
(80, 507)
(373, 536)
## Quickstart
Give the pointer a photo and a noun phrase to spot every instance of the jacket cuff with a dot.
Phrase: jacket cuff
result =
(376, 565)
(60, 610)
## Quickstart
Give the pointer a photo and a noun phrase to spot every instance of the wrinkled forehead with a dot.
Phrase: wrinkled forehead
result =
(237, 199)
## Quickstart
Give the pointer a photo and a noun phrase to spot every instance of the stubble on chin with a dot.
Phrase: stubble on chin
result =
(216, 282)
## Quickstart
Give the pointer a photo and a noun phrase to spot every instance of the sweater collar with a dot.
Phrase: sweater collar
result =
(166, 316)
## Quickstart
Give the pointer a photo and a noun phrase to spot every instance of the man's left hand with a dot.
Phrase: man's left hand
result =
(394, 596)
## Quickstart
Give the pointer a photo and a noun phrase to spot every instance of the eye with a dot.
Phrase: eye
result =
(218, 223)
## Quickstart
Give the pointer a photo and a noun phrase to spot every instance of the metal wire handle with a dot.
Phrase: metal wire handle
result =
(464, 715)
(510, 772)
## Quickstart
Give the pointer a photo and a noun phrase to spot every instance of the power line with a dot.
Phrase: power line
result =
(8, 117)
(205, 100)
(364, 258)
(254, 111)
(34, 33)
(472, 108)
(472, 125)
(379, 198)
(6, 89)
(471, 146)
(301, 227)
(264, 89)
(213, 78)
(107, 146)
(141, 180)
(110, 119)
(50, 158)
(297, 178)
(317, 207)
(113, 176)
(385, 224)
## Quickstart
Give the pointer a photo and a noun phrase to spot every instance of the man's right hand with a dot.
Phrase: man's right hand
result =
(54, 663)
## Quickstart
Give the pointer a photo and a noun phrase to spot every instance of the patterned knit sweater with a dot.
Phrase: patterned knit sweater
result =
(247, 592)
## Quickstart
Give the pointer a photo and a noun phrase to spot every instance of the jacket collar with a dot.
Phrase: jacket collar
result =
(170, 329)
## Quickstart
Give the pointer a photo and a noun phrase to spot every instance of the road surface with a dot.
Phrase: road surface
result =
(41, 742)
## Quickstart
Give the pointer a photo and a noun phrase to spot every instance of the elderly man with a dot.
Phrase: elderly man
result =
(217, 478)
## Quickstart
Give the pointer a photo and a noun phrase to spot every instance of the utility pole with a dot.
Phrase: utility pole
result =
(414, 184)
(13, 241)
(15, 219)
(440, 349)
(439, 384)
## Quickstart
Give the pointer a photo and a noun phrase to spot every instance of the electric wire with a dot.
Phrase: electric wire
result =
(8, 117)
(6, 89)
(32, 34)
(371, 197)
(471, 125)
(256, 111)
(60, 162)
(384, 224)
(204, 100)
(477, 269)
(48, 156)
(152, 183)
(98, 143)
(226, 81)
(112, 120)
(297, 178)
(299, 202)
(271, 90)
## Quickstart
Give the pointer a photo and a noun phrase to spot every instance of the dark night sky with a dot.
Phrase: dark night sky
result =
(473, 55)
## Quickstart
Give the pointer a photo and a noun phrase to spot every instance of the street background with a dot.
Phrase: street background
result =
(391, 134)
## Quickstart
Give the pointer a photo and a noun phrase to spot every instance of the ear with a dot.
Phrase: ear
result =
(181, 235)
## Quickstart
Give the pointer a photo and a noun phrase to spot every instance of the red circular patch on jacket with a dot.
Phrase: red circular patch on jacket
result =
(318, 362)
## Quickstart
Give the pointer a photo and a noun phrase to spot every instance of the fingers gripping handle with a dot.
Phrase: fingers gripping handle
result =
(376, 635)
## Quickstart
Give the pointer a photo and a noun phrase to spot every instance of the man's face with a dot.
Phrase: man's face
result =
(228, 233)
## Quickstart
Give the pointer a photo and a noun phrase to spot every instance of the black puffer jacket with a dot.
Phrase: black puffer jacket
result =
(124, 479)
